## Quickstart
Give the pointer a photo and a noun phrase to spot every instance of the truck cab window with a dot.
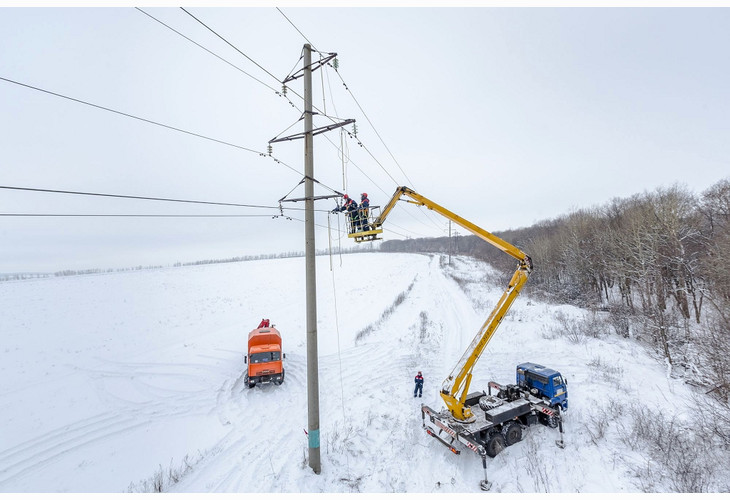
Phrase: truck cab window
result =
(265, 357)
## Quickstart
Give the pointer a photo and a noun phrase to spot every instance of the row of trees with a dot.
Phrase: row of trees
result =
(656, 262)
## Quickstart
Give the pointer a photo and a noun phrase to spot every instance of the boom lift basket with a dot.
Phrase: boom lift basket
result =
(364, 226)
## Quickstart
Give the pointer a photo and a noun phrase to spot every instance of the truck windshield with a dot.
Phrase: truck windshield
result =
(265, 357)
(557, 381)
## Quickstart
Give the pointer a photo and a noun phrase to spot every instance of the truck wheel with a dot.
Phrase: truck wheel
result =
(251, 384)
(552, 422)
(281, 380)
(512, 433)
(495, 444)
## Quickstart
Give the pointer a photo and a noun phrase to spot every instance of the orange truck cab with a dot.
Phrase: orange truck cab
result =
(264, 359)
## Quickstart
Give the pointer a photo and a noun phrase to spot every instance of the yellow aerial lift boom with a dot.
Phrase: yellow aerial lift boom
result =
(484, 423)
(455, 388)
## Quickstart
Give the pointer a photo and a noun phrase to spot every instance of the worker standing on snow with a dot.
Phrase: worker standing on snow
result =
(419, 385)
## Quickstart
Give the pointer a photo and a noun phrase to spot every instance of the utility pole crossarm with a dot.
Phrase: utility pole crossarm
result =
(310, 67)
(315, 131)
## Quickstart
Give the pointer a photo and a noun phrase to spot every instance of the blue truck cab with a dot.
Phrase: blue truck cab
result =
(547, 382)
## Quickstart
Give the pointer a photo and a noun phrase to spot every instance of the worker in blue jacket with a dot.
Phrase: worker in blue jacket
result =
(419, 385)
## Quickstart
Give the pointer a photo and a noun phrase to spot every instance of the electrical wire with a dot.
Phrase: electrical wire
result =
(207, 50)
(148, 198)
(152, 198)
(318, 225)
(373, 126)
(87, 103)
(80, 101)
(193, 133)
(162, 125)
(192, 216)
(295, 27)
(356, 102)
(322, 113)
(276, 160)
(360, 143)
(273, 76)
(229, 43)
(337, 331)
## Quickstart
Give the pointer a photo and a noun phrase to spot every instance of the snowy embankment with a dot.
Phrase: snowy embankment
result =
(114, 382)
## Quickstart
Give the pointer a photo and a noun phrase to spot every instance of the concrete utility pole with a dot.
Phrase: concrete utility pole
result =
(311, 275)
(309, 247)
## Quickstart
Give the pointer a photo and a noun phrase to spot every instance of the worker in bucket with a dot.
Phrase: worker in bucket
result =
(419, 385)
(350, 206)
(364, 212)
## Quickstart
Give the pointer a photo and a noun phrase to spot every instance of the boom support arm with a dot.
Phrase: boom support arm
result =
(456, 386)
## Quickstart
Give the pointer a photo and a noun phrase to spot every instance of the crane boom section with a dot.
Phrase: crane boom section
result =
(469, 226)
(456, 386)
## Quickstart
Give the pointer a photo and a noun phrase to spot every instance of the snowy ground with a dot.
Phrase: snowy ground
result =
(106, 380)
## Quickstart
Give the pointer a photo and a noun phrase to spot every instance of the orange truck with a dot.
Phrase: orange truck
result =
(265, 358)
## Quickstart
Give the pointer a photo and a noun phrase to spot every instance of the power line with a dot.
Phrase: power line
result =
(369, 121)
(356, 102)
(318, 225)
(373, 126)
(250, 59)
(229, 43)
(295, 27)
(129, 115)
(152, 198)
(138, 215)
(278, 93)
(273, 76)
(80, 101)
(207, 50)
(322, 113)
(132, 197)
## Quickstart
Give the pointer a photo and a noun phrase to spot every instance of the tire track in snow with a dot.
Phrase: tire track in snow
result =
(278, 453)
(158, 382)
(38, 452)
(250, 444)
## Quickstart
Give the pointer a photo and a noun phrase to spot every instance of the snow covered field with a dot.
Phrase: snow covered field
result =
(109, 380)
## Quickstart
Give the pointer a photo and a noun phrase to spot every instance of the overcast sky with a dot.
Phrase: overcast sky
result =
(506, 116)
